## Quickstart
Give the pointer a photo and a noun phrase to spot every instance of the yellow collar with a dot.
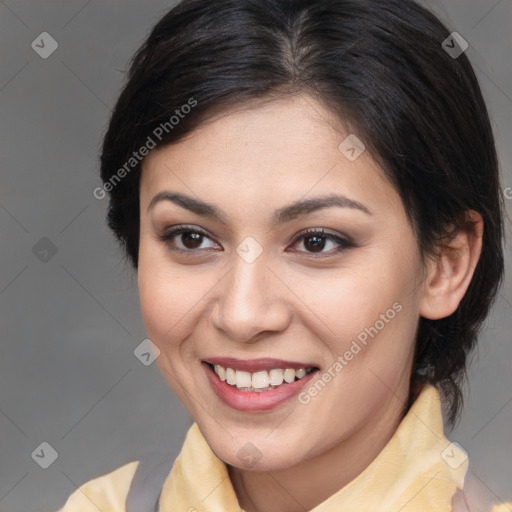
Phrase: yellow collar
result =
(418, 470)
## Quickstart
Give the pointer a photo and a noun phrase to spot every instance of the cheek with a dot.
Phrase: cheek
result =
(166, 300)
(352, 299)
(373, 300)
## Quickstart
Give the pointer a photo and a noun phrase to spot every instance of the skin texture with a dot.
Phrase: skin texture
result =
(292, 302)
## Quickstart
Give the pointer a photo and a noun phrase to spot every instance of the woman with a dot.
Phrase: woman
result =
(309, 192)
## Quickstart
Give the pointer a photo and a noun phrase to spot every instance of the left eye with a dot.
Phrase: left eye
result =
(314, 241)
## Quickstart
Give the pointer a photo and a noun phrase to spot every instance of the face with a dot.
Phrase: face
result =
(333, 286)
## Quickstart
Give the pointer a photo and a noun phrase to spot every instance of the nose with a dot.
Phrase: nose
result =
(251, 302)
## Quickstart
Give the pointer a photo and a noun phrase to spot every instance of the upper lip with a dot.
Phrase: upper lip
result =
(255, 365)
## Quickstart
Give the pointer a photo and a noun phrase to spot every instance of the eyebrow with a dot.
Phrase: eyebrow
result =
(280, 216)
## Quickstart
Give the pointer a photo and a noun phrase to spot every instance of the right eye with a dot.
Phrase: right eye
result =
(191, 238)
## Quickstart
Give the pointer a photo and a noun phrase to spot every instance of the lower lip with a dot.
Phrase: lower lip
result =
(248, 401)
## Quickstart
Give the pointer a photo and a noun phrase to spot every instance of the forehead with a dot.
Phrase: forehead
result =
(273, 152)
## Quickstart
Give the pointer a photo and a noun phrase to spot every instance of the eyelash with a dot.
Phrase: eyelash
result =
(343, 243)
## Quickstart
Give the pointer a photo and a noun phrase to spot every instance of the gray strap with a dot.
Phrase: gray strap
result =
(146, 487)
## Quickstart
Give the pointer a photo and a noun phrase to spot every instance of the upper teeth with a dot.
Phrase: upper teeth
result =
(261, 379)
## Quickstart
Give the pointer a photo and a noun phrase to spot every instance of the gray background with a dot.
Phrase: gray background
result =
(69, 325)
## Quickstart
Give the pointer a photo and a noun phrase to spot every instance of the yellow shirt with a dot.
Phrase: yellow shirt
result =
(419, 470)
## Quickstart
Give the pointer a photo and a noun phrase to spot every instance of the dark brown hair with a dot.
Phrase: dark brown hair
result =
(380, 66)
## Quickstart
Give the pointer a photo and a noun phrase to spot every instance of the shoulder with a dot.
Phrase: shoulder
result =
(461, 503)
(503, 507)
(477, 496)
(107, 493)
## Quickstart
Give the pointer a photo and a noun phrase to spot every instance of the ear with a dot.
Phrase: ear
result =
(449, 275)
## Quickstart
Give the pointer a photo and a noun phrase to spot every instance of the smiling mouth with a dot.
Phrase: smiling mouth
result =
(260, 381)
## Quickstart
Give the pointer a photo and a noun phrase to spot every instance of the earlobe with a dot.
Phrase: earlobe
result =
(449, 275)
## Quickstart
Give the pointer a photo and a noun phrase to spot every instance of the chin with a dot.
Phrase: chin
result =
(284, 461)
(257, 454)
